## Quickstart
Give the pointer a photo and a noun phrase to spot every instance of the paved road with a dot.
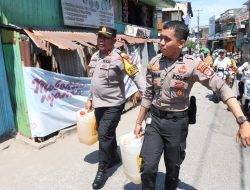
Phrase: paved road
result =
(213, 161)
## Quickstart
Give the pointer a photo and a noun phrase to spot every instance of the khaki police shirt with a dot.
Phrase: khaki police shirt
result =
(107, 83)
(169, 82)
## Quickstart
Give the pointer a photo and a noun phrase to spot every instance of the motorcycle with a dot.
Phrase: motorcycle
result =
(246, 94)
(228, 75)
(223, 75)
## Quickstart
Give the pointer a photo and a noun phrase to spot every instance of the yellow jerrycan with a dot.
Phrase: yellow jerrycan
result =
(86, 127)
(130, 150)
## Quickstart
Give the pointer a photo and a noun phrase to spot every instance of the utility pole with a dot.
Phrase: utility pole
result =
(198, 25)
(198, 21)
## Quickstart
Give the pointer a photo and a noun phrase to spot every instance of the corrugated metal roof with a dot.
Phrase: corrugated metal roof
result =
(72, 63)
(73, 40)
(63, 40)
(6, 115)
(154, 40)
(135, 40)
(131, 39)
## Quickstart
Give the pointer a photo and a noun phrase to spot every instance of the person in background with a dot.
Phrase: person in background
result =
(222, 61)
(208, 59)
(236, 57)
(170, 77)
(244, 67)
(201, 54)
(107, 96)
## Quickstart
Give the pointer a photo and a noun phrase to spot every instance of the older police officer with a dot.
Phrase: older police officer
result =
(107, 96)
(170, 77)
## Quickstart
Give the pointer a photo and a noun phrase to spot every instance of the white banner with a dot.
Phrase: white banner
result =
(53, 99)
(130, 87)
(88, 13)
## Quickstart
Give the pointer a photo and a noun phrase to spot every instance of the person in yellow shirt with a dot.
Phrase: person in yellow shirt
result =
(208, 58)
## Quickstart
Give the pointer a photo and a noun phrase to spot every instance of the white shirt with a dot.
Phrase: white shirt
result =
(243, 67)
(222, 63)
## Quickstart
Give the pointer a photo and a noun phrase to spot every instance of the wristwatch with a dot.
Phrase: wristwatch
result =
(241, 119)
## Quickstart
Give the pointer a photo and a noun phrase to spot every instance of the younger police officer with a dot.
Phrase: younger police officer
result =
(170, 77)
(107, 96)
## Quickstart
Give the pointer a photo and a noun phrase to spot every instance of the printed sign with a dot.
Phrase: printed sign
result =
(88, 13)
(53, 99)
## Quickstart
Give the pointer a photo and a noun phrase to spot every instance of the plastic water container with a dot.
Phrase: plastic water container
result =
(130, 151)
(86, 127)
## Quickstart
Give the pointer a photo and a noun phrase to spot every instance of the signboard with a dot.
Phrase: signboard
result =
(88, 13)
(137, 31)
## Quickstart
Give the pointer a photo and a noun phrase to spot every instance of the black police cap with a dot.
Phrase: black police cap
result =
(107, 31)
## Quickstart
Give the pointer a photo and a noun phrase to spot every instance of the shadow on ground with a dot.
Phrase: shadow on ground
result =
(213, 98)
(160, 184)
(92, 158)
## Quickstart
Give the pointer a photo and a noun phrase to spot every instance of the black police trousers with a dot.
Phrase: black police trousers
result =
(241, 88)
(107, 119)
(167, 133)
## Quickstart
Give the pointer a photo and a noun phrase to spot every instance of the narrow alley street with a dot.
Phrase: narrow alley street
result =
(213, 160)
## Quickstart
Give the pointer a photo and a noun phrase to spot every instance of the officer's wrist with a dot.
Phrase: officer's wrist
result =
(139, 123)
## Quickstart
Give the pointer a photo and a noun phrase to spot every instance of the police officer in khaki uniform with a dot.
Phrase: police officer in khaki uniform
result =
(107, 96)
(170, 77)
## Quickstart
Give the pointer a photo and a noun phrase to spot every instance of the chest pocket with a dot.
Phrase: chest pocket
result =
(104, 70)
(92, 65)
(178, 89)
(114, 73)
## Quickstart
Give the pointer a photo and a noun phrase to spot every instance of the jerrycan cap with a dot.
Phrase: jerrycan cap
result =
(82, 113)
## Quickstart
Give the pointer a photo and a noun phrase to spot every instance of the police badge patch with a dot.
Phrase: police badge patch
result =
(205, 69)
(182, 69)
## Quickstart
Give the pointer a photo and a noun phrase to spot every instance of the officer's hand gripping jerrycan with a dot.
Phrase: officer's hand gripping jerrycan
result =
(86, 127)
(130, 151)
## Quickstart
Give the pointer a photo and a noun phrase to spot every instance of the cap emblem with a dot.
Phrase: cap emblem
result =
(104, 29)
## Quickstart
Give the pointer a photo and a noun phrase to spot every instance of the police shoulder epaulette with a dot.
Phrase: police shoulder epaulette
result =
(118, 51)
(155, 59)
(95, 56)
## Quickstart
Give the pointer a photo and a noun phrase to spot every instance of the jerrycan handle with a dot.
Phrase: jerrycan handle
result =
(129, 139)
(83, 112)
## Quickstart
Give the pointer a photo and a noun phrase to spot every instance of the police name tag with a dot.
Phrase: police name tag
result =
(104, 66)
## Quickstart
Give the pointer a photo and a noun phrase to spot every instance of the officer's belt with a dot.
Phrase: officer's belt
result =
(168, 114)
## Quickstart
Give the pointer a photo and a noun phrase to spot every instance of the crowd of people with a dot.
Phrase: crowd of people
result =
(229, 62)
